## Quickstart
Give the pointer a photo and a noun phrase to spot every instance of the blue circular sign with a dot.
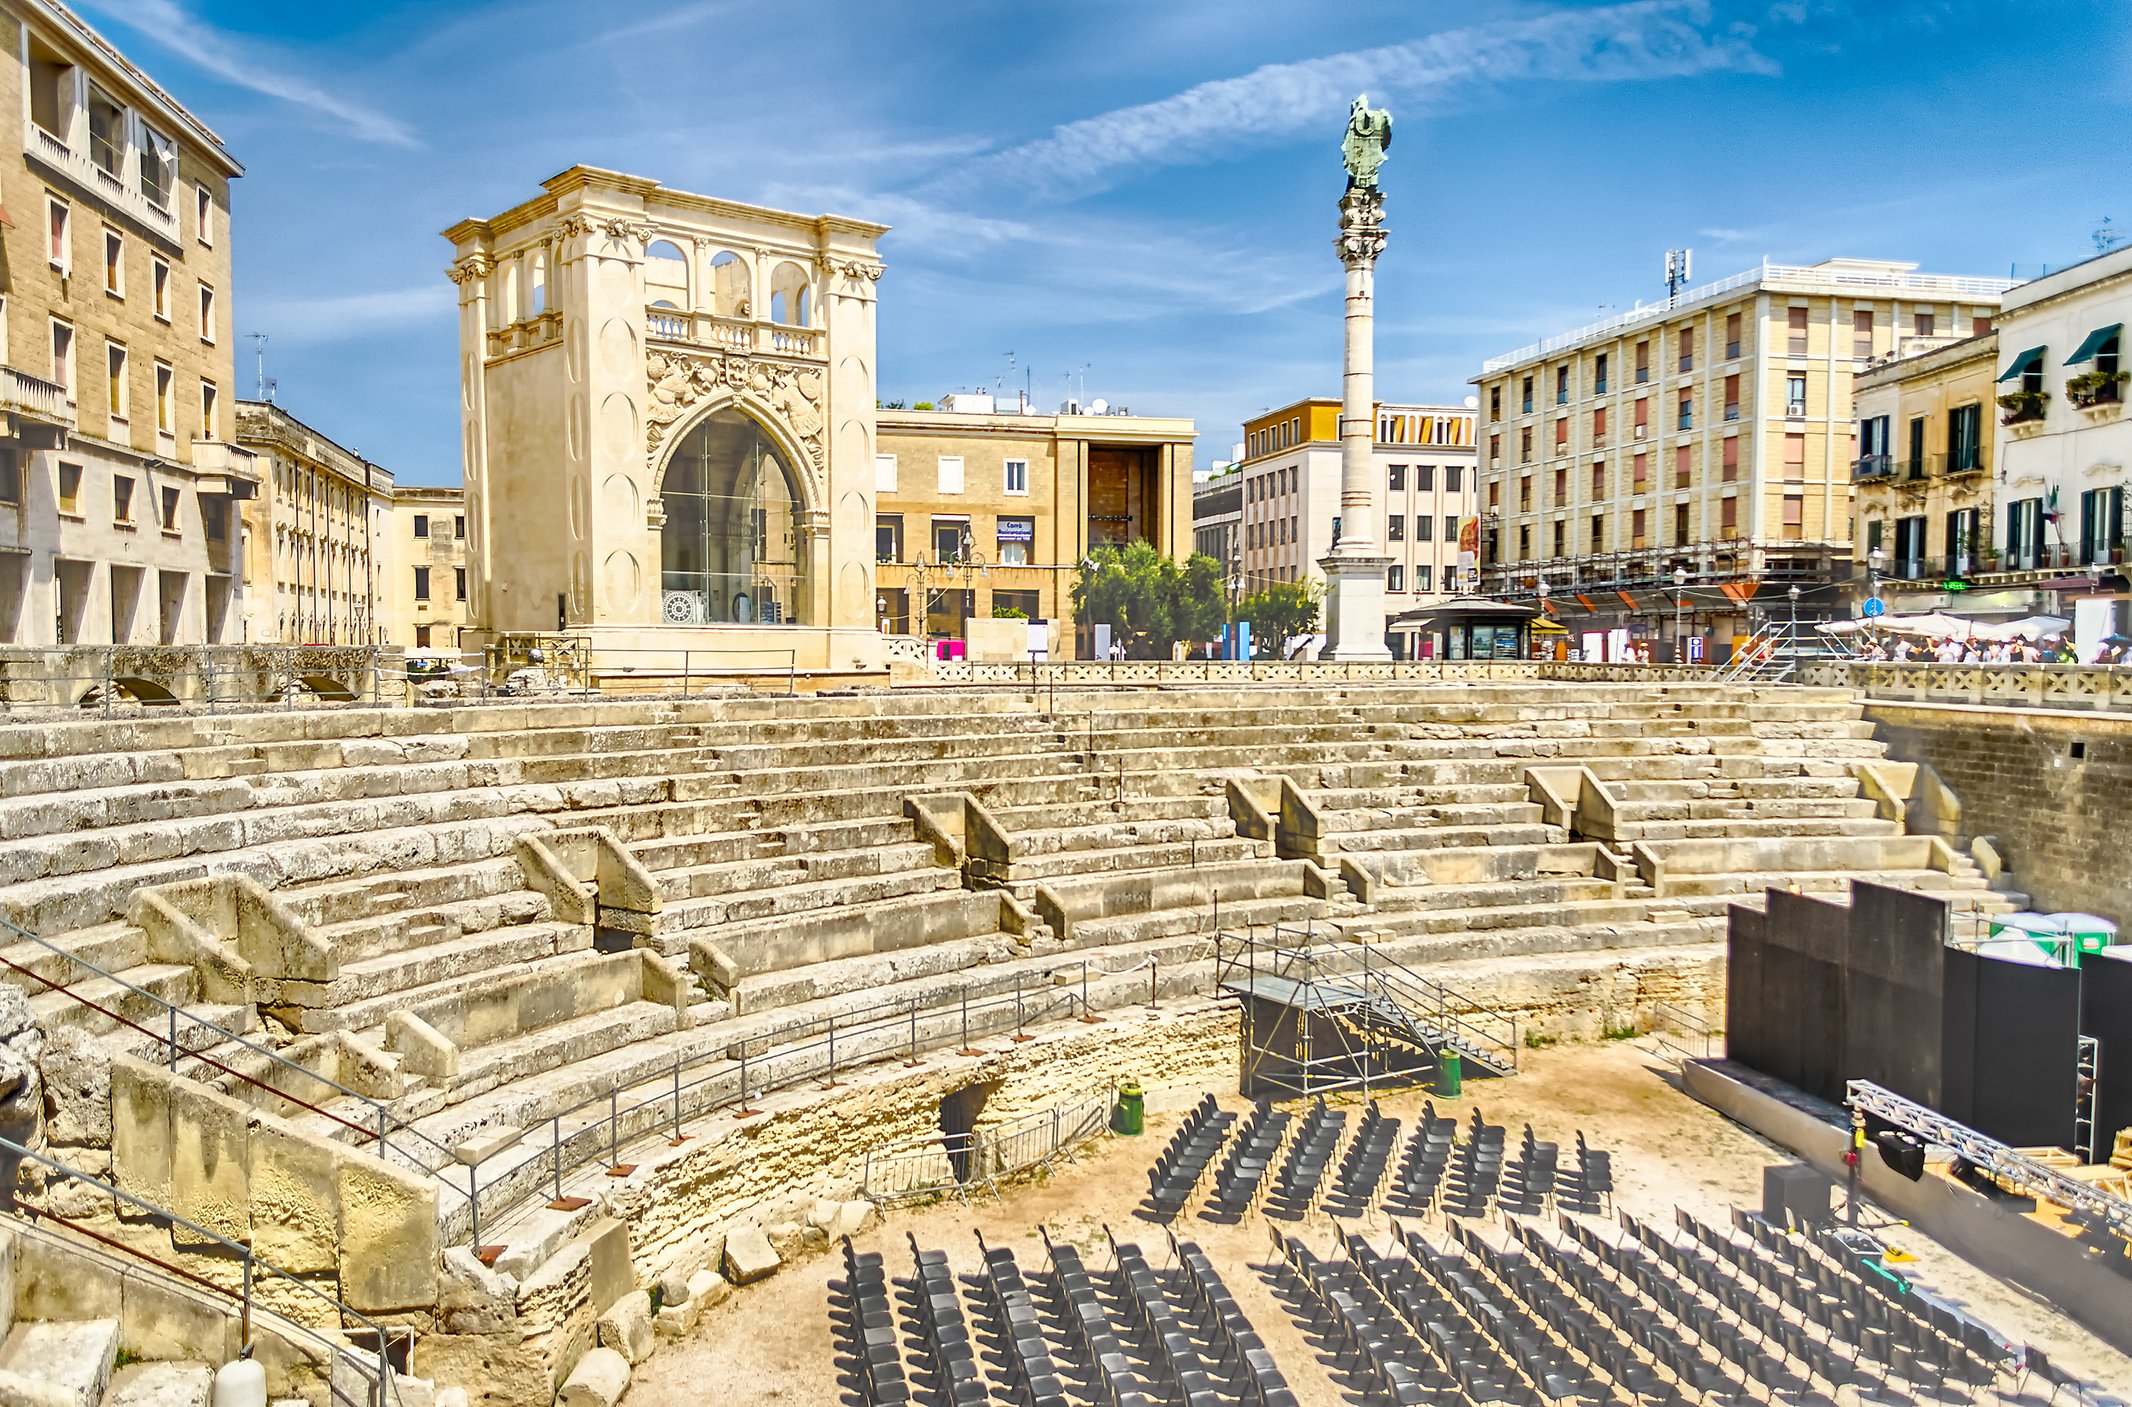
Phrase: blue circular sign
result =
(1873, 606)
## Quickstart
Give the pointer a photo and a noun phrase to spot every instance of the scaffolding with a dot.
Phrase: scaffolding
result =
(1331, 1015)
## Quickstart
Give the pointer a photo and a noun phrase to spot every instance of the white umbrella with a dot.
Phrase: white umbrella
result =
(1844, 627)
(1936, 624)
(2026, 628)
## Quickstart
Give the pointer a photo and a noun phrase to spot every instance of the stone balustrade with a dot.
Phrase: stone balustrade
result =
(2059, 686)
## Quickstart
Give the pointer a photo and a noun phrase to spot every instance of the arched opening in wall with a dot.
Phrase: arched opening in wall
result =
(788, 296)
(731, 551)
(806, 308)
(666, 274)
(731, 291)
(503, 304)
(537, 286)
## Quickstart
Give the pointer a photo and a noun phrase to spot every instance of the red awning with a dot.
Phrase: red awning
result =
(1626, 599)
(1586, 602)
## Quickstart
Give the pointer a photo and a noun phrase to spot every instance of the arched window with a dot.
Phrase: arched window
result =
(665, 249)
(788, 289)
(731, 550)
(730, 289)
(537, 286)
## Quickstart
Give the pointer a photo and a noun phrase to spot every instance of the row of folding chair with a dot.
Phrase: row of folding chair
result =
(1362, 1170)
(1423, 1164)
(1377, 1344)
(873, 1325)
(1586, 1185)
(1483, 1350)
(1707, 1380)
(1476, 1170)
(1180, 1375)
(1242, 1174)
(1191, 1150)
(947, 1335)
(1031, 1378)
(1529, 1181)
(1110, 1375)
(1524, 1337)
(1252, 1372)
(1606, 1352)
(1460, 1359)
(1296, 1186)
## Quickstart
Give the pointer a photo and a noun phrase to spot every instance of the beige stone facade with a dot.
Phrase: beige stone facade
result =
(977, 511)
(118, 480)
(1712, 436)
(315, 537)
(1425, 483)
(429, 582)
(1923, 472)
(669, 422)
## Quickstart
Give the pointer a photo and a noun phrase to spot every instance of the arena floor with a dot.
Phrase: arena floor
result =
(775, 1343)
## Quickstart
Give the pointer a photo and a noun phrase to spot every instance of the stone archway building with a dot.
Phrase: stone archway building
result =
(668, 404)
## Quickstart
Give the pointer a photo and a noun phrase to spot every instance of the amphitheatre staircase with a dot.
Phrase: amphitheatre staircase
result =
(451, 925)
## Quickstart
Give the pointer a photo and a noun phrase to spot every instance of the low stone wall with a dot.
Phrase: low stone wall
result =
(2051, 788)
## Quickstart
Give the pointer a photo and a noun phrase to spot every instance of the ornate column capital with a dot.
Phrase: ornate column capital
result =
(1362, 234)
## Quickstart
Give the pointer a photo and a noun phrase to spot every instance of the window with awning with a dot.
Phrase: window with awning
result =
(2028, 363)
(2103, 340)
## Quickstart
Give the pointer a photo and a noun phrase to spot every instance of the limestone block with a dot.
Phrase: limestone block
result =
(707, 1288)
(7, 1281)
(599, 1380)
(423, 1049)
(76, 1069)
(210, 1138)
(50, 1284)
(389, 1240)
(295, 1190)
(677, 1321)
(610, 1274)
(158, 1322)
(673, 1289)
(555, 1310)
(140, 1129)
(626, 1327)
(161, 1384)
(355, 1372)
(491, 1370)
(472, 1298)
(822, 1214)
(749, 1256)
(852, 1218)
(451, 1397)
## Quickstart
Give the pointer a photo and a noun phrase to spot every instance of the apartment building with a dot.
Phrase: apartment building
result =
(316, 537)
(1424, 477)
(1923, 475)
(2063, 440)
(425, 570)
(1675, 470)
(983, 507)
(1218, 518)
(119, 482)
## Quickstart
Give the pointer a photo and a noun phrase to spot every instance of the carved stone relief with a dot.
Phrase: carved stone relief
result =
(680, 381)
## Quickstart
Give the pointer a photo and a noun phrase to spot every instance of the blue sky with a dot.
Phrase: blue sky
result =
(1145, 188)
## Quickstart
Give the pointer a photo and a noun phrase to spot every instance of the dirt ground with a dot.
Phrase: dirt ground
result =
(772, 1342)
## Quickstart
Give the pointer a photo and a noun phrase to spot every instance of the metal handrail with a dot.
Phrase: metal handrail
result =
(252, 1264)
(386, 1122)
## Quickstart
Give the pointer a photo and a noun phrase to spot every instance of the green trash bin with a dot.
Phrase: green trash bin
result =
(1129, 1115)
(1447, 1075)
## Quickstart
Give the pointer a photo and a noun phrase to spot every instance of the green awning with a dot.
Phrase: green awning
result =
(2030, 360)
(2089, 348)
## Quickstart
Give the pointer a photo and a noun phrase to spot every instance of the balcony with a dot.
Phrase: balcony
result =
(1872, 466)
(731, 334)
(93, 178)
(27, 397)
(2024, 407)
(2096, 390)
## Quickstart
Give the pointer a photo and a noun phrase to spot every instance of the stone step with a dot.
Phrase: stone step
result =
(1236, 915)
(1426, 947)
(1444, 837)
(687, 918)
(1402, 818)
(1742, 828)
(1522, 895)
(754, 875)
(413, 972)
(1078, 833)
(561, 1045)
(877, 973)
(1025, 874)
(129, 995)
(65, 1363)
(161, 1384)
(425, 927)
(113, 947)
(373, 896)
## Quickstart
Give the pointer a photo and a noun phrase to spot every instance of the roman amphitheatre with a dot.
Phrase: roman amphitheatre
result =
(632, 1049)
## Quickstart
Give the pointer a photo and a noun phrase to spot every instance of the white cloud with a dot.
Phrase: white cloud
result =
(1643, 39)
(344, 317)
(250, 66)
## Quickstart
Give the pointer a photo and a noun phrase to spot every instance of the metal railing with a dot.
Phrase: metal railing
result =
(378, 1123)
(251, 1267)
(1680, 1034)
(983, 1157)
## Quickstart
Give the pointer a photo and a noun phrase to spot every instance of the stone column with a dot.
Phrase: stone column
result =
(1354, 570)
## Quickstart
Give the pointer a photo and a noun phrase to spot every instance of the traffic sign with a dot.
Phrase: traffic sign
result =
(1873, 606)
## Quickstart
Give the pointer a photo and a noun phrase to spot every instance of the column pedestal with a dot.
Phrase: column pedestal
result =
(1354, 608)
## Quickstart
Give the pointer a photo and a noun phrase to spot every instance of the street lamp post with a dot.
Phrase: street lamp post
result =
(1540, 591)
(1793, 593)
(1680, 602)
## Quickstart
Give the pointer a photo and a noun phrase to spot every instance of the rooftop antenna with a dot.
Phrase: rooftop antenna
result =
(2107, 236)
(1676, 273)
(259, 347)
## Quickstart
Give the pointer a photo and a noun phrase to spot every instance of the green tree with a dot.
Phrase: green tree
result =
(1147, 601)
(1284, 610)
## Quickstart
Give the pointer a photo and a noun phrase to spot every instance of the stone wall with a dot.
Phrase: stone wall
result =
(2052, 789)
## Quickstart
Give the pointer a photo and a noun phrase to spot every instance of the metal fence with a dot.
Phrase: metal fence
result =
(982, 1158)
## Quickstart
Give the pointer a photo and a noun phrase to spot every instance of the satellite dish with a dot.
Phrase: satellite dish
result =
(1473, 403)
